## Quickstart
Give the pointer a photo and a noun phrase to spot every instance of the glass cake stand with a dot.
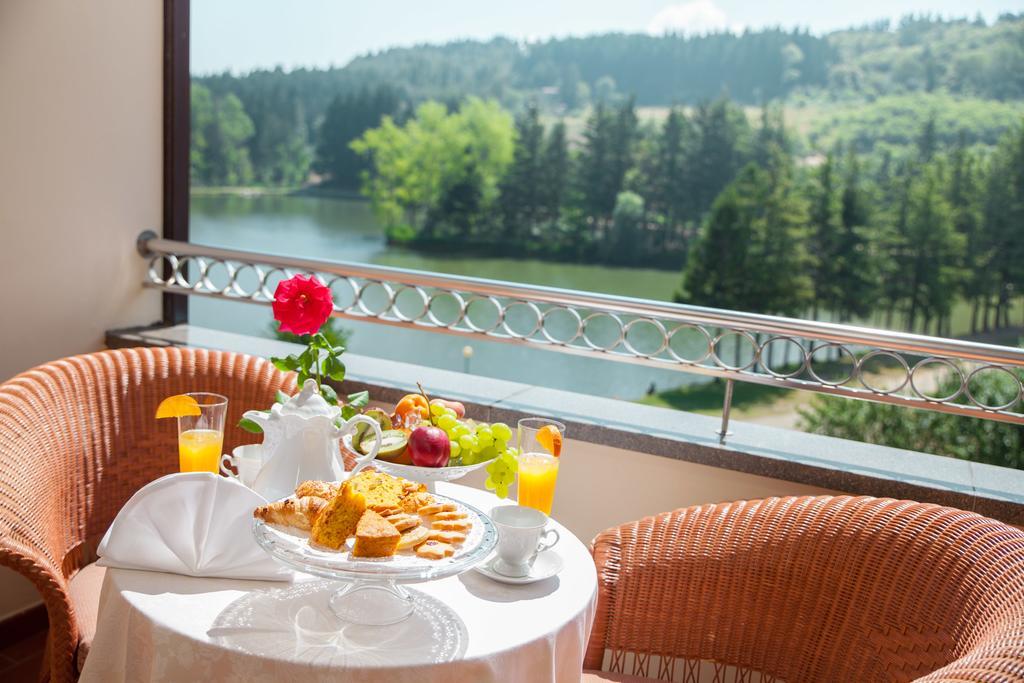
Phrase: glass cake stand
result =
(374, 593)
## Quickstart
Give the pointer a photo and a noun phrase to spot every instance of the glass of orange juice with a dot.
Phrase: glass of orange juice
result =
(540, 445)
(201, 437)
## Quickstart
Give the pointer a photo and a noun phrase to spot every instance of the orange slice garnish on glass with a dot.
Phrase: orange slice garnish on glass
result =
(178, 406)
(551, 439)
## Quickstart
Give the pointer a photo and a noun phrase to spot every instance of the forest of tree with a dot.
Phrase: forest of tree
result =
(846, 236)
(907, 195)
(865, 85)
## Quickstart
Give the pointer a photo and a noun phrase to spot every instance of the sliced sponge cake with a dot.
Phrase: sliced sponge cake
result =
(339, 519)
(375, 536)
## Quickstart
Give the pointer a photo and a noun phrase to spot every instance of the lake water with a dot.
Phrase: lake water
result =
(346, 230)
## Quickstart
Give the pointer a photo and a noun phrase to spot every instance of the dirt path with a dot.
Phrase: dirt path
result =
(785, 411)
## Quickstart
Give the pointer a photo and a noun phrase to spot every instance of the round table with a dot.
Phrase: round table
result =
(164, 627)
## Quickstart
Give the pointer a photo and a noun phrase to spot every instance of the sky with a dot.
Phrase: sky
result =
(241, 35)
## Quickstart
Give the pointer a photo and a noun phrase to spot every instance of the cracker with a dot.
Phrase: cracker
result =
(452, 525)
(450, 537)
(435, 550)
(413, 538)
(434, 508)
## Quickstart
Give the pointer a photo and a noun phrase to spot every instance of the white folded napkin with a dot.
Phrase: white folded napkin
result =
(196, 524)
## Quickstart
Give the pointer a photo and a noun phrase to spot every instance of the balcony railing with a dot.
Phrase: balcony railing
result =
(827, 358)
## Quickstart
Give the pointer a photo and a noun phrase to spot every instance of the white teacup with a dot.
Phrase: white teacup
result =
(521, 537)
(247, 461)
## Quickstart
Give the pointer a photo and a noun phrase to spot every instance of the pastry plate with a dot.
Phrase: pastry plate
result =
(294, 549)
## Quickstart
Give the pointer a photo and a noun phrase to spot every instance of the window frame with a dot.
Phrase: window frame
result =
(176, 140)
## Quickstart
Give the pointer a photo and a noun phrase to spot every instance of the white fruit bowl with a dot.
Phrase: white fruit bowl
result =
(425, 475)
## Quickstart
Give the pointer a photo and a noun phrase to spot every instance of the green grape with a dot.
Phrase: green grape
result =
(501, 431)
(501, 474)
(436, 409)
(481, 426)
(485, 438)
(469, 443)
(460, 430)
(447, 422)
(455, 449)
(451, 413)
(500, 445)
(487, 453)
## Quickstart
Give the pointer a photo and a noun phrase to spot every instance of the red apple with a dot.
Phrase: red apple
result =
(429, 447)
(460, 410)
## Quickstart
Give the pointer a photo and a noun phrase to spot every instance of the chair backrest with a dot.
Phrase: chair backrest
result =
(78, 437)
(810, 589)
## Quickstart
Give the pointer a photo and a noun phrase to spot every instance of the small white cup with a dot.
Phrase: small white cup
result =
(247, 460)
(521, 537)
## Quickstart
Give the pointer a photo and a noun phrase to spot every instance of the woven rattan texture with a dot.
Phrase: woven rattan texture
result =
(78, 438)
(812, 589)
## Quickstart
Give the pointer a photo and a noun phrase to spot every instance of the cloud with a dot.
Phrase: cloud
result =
(690, 18)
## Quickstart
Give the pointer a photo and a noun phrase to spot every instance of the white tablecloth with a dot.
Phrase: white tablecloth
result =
(165, 627)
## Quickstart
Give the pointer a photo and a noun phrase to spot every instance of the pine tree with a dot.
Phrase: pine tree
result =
(667, 179)
(715, 273)
(593, 164)
(521, 189)
(964, 195)
(1003, 218)
(825, 220)
(933, 269)
(720, 149)
(347, 117)
(856, 273)
(751, 254)
(554, 174)
(927, 143)
(627, 243)
(779, 260)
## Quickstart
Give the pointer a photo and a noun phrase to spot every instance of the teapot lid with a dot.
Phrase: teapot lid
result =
(308, 403)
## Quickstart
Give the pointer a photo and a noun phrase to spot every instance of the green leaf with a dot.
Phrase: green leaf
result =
(306, 359)
(329, 394)
(348, 412)
(250, 426)
(334, 368)
(337, 350)
(360, 399)
(281, 397)
(287, 364)
(302, 377)
(320, 341)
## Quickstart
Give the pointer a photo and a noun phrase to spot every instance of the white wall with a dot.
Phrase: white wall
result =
(80, 177)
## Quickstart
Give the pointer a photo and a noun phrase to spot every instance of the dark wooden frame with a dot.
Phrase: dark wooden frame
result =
(176, 132)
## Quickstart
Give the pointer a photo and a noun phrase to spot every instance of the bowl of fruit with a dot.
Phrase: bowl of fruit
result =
(429, 440)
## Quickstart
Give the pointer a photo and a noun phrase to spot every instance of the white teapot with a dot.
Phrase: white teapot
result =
(300, 442)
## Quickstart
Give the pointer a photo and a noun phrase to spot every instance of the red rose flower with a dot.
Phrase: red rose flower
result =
(302, 305)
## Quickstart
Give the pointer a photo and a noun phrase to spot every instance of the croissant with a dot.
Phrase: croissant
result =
(299, 514)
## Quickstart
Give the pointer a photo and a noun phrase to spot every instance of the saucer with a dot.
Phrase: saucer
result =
(547, 564)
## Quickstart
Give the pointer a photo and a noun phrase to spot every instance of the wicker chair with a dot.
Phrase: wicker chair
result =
(77, 439)
(810, 589)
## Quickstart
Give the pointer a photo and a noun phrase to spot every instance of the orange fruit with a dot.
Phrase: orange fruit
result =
(551, 439)
(409, 404)
(178, 406)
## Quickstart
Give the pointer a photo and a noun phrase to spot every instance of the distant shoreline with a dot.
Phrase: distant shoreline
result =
(265, 191)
